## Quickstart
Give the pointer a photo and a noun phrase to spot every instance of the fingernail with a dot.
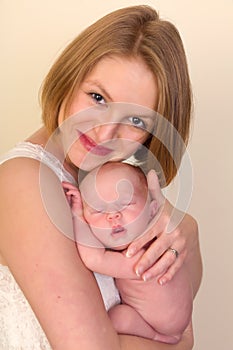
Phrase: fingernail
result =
(146, 277)
(139, 271)
(130, 252)
(162, 281)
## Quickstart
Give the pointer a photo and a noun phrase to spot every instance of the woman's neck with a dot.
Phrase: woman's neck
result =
(40, 137)
(71, 168)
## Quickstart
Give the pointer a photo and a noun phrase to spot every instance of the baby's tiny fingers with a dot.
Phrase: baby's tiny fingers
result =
(71, 193)
(68, 186)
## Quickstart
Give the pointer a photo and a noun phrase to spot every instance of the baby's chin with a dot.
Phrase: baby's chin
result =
(121, 247)
(117, 247)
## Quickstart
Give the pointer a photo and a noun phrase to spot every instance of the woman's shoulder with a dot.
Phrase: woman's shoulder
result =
(20, 183)
(15, 170)
(25, 154)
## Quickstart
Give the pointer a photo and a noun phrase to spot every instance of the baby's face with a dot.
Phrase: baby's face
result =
(118, 208)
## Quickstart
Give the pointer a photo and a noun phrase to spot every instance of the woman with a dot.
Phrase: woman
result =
(132, 57)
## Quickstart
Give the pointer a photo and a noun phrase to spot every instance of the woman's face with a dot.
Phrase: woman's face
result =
(111, 112)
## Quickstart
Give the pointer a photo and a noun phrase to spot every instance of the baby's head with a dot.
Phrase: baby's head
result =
(118, 207)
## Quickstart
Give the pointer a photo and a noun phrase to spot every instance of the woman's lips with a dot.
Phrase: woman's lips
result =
(91, 146)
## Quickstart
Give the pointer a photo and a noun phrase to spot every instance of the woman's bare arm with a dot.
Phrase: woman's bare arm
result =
(46, 265)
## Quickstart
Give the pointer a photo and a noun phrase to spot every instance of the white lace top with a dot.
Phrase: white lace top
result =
(19, 328)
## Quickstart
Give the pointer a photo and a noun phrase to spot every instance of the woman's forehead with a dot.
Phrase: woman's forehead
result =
(125, 79)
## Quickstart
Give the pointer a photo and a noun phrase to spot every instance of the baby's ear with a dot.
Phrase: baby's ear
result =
(153, 208)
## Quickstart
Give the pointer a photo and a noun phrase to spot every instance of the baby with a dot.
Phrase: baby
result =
(118, 210)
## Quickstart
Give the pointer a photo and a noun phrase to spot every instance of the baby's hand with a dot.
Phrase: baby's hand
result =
(74, 198)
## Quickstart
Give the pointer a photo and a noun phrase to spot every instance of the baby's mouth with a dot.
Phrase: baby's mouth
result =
(118, 230)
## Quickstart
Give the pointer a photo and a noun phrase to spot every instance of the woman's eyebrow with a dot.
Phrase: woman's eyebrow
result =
(95, 83)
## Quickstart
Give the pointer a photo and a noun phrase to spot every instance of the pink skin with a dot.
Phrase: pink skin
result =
(92, 147)
(107, 134)
(128, 80)
(117, 208)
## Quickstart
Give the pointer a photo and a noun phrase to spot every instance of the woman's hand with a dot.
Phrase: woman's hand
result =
(172, 236)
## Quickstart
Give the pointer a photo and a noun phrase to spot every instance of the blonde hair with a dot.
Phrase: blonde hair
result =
(135, 31)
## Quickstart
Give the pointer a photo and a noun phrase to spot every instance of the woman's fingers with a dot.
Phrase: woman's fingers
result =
(155, 256)
(154, 188)
(172, 270)
(141, 242)
(166, 267)
(166, 242)
(164, 256)
(154, 230)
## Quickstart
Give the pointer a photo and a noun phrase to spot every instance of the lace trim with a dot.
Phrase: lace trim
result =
(19, 328)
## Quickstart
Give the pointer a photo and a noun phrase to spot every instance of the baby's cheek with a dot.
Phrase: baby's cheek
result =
(134, 214)
(89, 218)
(97, 221)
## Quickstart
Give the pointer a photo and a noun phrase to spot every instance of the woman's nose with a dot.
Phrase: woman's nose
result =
(114, 216)
(106, 132)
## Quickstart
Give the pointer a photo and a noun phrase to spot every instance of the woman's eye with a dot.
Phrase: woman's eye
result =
(97, 98)
(138, 122)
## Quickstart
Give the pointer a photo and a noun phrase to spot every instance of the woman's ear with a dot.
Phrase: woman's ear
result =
(153, 208)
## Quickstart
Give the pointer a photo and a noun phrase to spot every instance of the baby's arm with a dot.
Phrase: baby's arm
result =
(83, 233)
(110, 263)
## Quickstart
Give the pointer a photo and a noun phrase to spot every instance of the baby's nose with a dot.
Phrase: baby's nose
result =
(114, 216)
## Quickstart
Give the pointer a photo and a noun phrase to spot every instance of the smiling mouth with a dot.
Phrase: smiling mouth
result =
(92, 147)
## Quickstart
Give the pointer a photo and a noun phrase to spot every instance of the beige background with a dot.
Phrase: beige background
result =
(32, 33)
